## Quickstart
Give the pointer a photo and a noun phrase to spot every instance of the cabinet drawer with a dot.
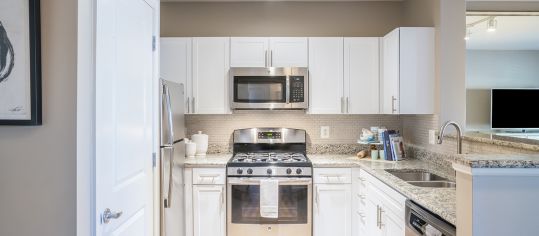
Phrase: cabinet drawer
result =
(209, 176)
(332, 176)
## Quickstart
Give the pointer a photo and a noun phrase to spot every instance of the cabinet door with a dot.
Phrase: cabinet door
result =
(391, 225)
(372, 219)
(332, 214)
(210, 75)
(249, 52)
(417, 70)
(362, 75)
(209, 210)
(175, 62)
(390, 75)
(288, 52)
(326, 75)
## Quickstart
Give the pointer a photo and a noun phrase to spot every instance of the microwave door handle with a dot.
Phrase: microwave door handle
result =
(287, 90)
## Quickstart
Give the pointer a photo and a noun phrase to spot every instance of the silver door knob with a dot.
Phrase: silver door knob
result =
(108, 215)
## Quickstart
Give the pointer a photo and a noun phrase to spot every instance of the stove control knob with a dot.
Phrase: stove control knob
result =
(298, 171)
(239, 171)
(288, 171)
(250, 171)
(269, 171)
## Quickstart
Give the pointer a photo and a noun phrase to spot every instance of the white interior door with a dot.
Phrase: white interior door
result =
(125, 116)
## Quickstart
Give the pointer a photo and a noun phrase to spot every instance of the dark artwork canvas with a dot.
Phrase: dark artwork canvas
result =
(20, 63)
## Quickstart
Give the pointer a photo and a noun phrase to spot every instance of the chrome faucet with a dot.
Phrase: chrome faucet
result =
(459, 134)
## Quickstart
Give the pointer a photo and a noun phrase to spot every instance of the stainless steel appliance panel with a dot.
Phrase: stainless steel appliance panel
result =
(295, 211)
(420, 220)
(269, 88)
(261, 135)
(172, 158)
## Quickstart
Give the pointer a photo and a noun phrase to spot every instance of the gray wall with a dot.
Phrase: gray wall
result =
(279, 19)
(37, 164)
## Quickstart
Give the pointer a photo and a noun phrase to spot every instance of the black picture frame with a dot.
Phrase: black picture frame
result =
(35, 68)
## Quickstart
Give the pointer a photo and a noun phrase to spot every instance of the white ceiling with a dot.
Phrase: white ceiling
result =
(513, 33)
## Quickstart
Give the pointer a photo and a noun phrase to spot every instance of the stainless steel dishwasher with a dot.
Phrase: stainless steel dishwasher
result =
(420, 221)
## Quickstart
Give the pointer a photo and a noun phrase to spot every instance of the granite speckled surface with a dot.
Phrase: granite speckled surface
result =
(499, 140)
(475, 160)
(441, 201)
(211, 160)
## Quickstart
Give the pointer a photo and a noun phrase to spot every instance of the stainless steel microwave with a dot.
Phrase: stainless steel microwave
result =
(269, 88)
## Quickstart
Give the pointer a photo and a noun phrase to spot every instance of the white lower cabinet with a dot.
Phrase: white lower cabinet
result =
(332, 202)
(209, 211)
(383, 208)
(205, 201)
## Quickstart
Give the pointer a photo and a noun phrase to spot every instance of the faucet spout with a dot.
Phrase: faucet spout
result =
(459, 134)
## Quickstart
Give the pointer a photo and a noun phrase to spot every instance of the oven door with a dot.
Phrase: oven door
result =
(295, 211)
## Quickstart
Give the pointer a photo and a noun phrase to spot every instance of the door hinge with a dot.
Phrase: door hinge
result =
(154, 43)
(154, 159)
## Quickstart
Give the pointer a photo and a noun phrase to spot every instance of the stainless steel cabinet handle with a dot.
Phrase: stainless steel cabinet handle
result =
(109, 215)
(194, 105)
(381, 224)
(377, 216)
(271, 58)
(393, 109)
(266, 58)
(188, 106)
(342, 104)
(317, 199)
(347, 105)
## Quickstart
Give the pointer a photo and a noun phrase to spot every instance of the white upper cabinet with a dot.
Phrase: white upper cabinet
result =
(249, 52)
(176, 61)
(408, 76)
(268, 52)
(326, 75)
(362, 75)
(288, 52)
(210, 75)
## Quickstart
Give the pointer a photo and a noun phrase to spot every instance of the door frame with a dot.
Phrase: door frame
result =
(86, 91)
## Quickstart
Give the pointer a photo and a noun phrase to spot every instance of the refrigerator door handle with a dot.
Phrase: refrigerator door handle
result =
(167, 199)
(169, 115)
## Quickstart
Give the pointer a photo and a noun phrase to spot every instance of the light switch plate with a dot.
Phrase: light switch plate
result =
(432, 136)
(324, 131)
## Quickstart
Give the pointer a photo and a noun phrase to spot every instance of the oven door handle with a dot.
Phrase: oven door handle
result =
(282, 181)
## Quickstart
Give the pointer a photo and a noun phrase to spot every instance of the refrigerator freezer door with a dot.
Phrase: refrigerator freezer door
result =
(172, 134)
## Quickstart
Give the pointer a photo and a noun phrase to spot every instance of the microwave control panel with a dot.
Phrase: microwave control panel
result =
(297, 85)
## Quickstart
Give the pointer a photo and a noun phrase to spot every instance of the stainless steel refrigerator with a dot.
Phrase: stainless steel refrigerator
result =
(172, 159)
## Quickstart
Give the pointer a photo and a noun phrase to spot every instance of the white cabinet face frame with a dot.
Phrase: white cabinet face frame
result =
(249, 51)
(209, 210)
(210, 75)
(362, 75)
(326, 75)
(176, 64)
(332, 210)
(288, 52)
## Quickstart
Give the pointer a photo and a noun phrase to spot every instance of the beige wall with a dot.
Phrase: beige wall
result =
(279, 19)
(37, 164)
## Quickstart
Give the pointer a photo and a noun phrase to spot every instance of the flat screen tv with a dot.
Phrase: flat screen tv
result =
(515, 109)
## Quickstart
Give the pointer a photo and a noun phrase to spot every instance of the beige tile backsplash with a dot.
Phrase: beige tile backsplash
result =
(344, 129)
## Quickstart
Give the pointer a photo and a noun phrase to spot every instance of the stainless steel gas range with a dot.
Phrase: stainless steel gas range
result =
(275, 154)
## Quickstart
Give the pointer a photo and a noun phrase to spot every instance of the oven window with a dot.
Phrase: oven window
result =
(292, 205)
(260, 89)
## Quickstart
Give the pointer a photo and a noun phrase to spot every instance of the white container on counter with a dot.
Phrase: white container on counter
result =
(201, 141)
(190, 149)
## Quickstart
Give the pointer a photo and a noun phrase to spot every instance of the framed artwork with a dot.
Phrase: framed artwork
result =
(20, 62)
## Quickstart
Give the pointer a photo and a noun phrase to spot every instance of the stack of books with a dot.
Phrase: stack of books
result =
(393, 146)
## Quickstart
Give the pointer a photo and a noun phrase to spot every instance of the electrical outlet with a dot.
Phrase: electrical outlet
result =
(324, 131)
(432, 136)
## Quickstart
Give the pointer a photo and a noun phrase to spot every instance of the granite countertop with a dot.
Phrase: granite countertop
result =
(211, 160)
(497, 160)
(441, 201)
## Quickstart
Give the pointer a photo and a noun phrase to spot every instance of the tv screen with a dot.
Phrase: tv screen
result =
(515, 108)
